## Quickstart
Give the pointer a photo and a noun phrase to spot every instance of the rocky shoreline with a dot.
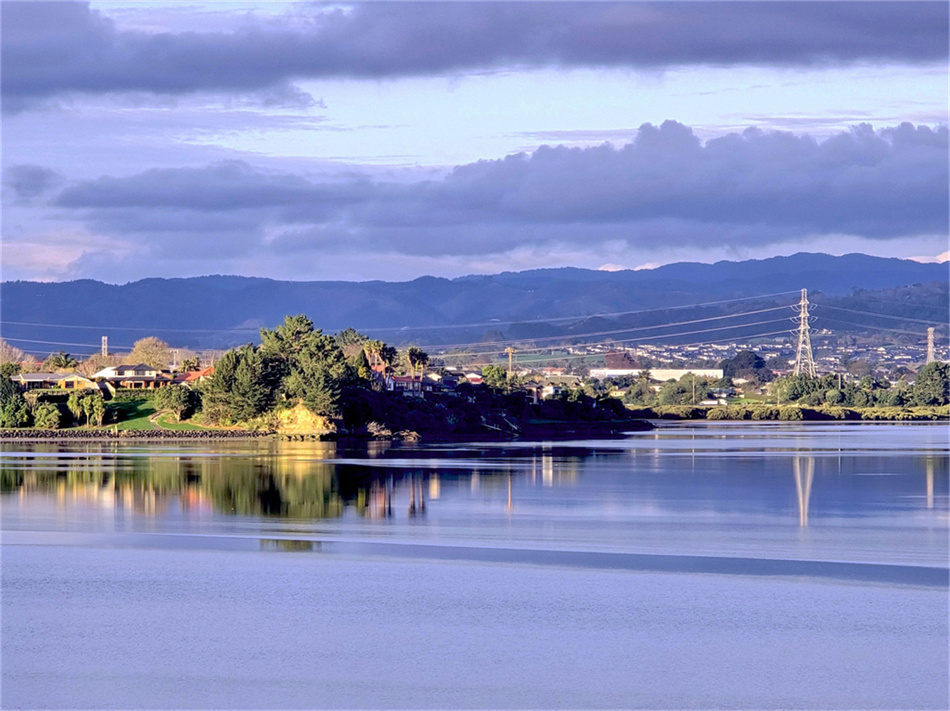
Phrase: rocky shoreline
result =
(34, 434)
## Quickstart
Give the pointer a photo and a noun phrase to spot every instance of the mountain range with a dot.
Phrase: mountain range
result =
(220, 311)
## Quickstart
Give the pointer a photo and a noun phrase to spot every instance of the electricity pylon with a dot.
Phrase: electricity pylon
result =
(511, 354)
(804, 361)
(931, 357)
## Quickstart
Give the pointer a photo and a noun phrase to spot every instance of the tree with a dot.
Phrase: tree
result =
(932, 385)
(177, 399)
(47, 416)
(75, 406)
(96, 362)
(387, 356)
(190, 364)
(640, 393)
(350, 337)
(238, 390)
(303, 364)
(688, 390)
(151, 351)
(289, 339)
(416, 358)
(361, 365)
(97, 409)
(14, 410)
(60, 361)
(9, 369)
(374, 350)
(9, 354)
(495, 376)
(748, 365)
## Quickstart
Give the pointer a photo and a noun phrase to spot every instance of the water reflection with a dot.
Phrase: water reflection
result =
(804, 473)
(382, 481)
(929, 470)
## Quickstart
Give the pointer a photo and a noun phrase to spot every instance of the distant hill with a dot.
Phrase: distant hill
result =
(220, 311)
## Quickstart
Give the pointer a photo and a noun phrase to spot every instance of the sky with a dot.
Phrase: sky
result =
(392, 140)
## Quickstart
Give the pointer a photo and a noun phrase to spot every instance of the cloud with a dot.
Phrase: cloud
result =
(49, 48)
(30, 181)
(665, 188)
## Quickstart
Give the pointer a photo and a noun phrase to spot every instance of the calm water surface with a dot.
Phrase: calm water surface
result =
(697, 566)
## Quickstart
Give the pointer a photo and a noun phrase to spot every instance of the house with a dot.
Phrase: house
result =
(48, 381)
(193, 377)
(411, 385)
(134, 377)
(75, 381)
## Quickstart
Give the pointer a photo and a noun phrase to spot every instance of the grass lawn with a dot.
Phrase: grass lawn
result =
(167, 422)
(132, 414)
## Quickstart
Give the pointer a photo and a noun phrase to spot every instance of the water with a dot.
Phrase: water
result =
(698, 566)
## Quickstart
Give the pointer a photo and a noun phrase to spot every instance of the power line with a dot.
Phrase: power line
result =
(609, 333)
(864, 297)
(874, 328)
(629, 340)
(876, 315)
(585, 356)
(58, 343)
(404, 328)
(528, 340)
(132, 328)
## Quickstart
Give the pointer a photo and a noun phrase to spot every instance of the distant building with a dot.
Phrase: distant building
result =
(661, 374)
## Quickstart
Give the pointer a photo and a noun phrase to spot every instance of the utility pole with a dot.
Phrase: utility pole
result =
(804, 362)
(511, 353)
(930, 345)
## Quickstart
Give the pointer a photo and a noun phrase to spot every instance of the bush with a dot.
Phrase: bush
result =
(680, 412)
(791, 413)
(47, 416)
(838, 413)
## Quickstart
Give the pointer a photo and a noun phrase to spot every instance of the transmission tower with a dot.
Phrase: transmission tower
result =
(930, 345)
(511, 354)
(804, 362)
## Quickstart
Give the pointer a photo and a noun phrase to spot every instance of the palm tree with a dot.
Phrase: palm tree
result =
(373, 350)
(60, 361)
(416, 357)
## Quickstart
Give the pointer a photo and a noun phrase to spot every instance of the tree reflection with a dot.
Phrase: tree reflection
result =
(287, 480)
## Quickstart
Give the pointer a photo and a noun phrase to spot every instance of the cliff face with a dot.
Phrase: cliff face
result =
(300, 421)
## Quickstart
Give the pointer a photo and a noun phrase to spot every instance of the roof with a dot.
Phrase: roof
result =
(193, 375)
(140, 366)
(48, 377)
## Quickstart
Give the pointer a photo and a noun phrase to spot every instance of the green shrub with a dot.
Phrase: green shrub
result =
(47, 416)
(833, 412)
(791, 413)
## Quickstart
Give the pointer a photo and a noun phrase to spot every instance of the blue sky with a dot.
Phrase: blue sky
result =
(393, 140)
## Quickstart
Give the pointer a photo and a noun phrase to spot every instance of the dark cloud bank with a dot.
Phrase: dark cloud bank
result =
(54, 47)
(666, 188)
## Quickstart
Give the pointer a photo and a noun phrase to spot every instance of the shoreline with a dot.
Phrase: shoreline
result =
(546, 430)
